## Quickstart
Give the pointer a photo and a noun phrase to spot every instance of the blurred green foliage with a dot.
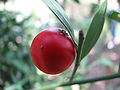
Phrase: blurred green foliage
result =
(77, 1)
(17, 71)
(4, 1)
(15, 61)
(114, 15)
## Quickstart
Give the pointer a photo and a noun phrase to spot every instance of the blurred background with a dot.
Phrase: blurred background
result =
(22, 20)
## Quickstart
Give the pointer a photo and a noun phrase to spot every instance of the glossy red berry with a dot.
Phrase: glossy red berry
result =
(52, 51)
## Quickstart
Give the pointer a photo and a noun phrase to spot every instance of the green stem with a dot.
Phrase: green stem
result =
(73, 73)
(107, 77)
(84, 81)
(119, 68)
(77, 63)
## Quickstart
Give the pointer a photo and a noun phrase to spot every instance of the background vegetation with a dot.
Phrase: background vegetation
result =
(19, 25)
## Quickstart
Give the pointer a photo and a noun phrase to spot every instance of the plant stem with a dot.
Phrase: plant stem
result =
(84, 81)
(119, 68)
(73, 73)
(77, 63)
(107, 77)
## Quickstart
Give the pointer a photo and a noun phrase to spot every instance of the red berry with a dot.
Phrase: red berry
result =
(52, 51)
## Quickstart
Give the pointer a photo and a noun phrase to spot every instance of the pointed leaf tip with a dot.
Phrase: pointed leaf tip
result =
(94, 30)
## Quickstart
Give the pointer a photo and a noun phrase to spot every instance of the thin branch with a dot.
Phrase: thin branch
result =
(119, 68)
(107, 77)
(77, 63)
(84, 81)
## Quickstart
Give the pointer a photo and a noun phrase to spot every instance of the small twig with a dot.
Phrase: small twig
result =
(107, 77)
(77, 63)
(119, 68)
(84, 81)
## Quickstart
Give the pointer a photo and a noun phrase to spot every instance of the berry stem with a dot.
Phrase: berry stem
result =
(119, 68)
(78, 58)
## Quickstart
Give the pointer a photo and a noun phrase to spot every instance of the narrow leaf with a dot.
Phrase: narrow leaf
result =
(94, 30)
(60, 14)
(77, 1)
(114, 15)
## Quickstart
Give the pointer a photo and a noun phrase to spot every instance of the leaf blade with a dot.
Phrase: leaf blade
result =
(94, 30)
(114, 15)
(60, 14)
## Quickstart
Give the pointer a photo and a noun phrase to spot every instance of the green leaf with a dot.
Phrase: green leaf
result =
(94, 30)
(77, 1)
(114, 15)
(60, 14)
